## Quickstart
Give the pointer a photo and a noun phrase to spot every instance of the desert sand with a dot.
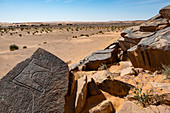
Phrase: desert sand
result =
(59, 42)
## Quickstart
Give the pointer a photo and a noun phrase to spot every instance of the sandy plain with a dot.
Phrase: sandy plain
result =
(59, 42)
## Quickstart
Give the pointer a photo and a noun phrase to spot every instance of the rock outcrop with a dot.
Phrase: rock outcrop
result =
(106, 83)
(152, 52)
(131, 37)
(81, 94)
(104, 107)
(92, 88)
(37, 85)
(130, 107)
(148, 45)
(154, 24)
(165, 12)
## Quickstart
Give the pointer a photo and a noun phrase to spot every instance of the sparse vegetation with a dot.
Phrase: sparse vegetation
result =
(20, 35)
(13, 47)
(44, 42)
(166, 70)
(24, 47)
(74, 36)
(84, 35)
(100, 31)
(142, 96)
(103, 67)
(68, 62)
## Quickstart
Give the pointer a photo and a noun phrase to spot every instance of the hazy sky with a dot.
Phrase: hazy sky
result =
(78, 10)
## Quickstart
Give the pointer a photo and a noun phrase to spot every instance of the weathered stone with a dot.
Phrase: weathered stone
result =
(100, 76)
(92, 88)
(165, 12)
(126, 44)
(123, 55)
(157, 109)
(94, 60)
(130, 107)
(37, 85)
(159, 99)
(154, 24)
(74, 67)
(106, 82)
(131, 37)
(128, 71)
(114, 45)
(71, 95)
(152, 52)
(104, 107)
(164, 86)
(81, 94)
(115, 87)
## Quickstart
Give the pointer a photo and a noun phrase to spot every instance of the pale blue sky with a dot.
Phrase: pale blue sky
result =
(78, 10)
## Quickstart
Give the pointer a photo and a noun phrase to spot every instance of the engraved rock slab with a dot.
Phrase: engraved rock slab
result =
(37, 85)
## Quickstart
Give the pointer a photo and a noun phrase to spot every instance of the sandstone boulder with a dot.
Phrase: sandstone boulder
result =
(74, 67)
(115, 87)
(157, 109)
(165, 12)
(128, 71)
(81, 94)
(100, 76)
(130, 107)
(159, 99)
(154, 24)
(152, 52)
(37, 85)
(131, 37)
(105, 82)
(104, 107)
(94, 60)
(92, 88)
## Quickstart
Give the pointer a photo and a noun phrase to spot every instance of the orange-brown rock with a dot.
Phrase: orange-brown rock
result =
(81, 94)
(104, 107)
(165, 12)
(152, 52)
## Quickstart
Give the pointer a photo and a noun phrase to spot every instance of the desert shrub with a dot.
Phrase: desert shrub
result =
(77, 29)
(103, 67)
(139, 94)
(74, 36)
(28, 32)
(24, 47)
(68, 62)
(20, 35)
(84, 35)
(13, 47)
(10, 33)
(166, 70)
(100, 31)
(44, 42)
(22, 28)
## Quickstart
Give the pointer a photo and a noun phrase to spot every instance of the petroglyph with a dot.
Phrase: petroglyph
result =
(37, 85)
(32, 77)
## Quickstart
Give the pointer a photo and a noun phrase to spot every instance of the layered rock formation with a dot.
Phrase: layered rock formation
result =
(148, 45)
(165, 12)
